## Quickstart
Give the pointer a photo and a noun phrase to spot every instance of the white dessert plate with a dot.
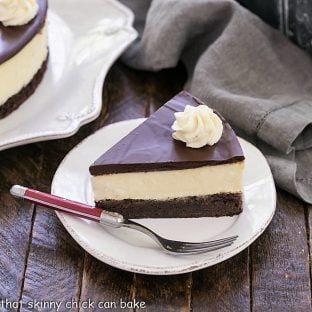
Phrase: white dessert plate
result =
(132, 251)
(85, 38)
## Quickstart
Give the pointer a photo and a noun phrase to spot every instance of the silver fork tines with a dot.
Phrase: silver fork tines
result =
(179, 247)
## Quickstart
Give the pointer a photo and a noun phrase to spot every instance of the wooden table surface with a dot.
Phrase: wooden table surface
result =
(40, 261)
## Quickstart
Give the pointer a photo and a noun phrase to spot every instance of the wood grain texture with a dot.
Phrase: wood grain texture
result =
(223, 287)
(15, 218)
(280, 261)
(165, 293)
(106, 286)
(55, 262)
(131, 94)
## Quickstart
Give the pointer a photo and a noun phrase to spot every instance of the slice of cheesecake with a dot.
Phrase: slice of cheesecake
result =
(151, 174)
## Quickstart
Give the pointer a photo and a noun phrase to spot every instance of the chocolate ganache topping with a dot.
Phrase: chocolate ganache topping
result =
(150, 146)
(14, 38)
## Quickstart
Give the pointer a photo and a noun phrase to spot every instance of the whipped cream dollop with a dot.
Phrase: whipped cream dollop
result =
(17, 12)
(197, 126)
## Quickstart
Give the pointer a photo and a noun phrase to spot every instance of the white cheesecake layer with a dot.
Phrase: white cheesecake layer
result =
(20, 69)
(161, 185)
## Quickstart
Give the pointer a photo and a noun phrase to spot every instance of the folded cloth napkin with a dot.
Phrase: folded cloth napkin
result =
(254, 76)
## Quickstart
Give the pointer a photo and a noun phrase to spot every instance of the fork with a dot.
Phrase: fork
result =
(116, 220)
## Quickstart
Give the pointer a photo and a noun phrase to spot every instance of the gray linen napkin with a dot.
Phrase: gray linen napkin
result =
(245, 69)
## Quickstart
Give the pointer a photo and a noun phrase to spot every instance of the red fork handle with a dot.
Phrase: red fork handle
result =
(57, 203)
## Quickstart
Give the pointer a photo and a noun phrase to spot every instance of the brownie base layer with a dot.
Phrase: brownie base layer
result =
(216, 205)
(17, 99)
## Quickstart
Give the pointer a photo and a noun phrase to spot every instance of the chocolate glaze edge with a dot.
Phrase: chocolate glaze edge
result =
(14, 38)
(150, 146)
(127, 168)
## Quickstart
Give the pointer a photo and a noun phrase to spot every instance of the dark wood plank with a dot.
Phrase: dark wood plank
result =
(17, 166)
(164, 293)
(223, 287)
(107, 287)
(55, 262)
(131, 94)
(280, 261)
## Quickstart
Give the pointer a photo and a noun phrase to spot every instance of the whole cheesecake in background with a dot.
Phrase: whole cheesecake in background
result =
(23, 50)
(165, 168)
